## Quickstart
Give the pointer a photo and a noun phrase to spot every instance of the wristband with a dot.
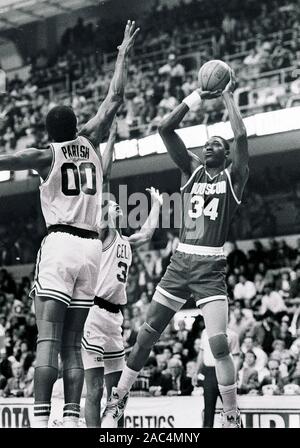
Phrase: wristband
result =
(192, 100)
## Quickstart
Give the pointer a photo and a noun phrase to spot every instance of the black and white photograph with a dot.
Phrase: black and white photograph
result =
(149, 218)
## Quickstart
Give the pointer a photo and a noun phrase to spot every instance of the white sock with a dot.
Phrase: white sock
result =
(126, 381)
(41, 415)
(228, 394)
(71, 415)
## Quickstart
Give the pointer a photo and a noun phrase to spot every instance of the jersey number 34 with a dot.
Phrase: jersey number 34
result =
(198, 209)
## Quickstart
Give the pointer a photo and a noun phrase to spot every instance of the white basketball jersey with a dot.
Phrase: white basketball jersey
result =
(115, 262)
(72, 192)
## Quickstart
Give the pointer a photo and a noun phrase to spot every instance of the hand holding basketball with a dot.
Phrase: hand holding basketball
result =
(214, 75)
(230, 87)
(208, 95)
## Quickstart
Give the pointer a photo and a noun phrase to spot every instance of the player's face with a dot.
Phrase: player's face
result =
(114, 211)
(214, 152)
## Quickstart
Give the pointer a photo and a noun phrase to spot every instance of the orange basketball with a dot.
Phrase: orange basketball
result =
(214, 75)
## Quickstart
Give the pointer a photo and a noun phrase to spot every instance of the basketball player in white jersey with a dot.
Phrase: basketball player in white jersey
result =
(102, 343)
(68, 260)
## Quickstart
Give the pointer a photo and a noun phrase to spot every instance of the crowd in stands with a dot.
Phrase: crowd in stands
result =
(264, 296)
(263, 36)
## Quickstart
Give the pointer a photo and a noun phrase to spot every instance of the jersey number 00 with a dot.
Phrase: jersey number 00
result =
(78, 178)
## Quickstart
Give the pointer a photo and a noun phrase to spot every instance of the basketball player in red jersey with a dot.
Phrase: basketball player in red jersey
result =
(68, 261)
(211, 192)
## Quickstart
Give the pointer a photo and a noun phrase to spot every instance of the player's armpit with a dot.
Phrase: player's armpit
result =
(239, 176)
(194, 160)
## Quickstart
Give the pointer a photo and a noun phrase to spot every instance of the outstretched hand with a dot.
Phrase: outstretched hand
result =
(155, 195)
(209, 95)
(232, 82)
(130, 34)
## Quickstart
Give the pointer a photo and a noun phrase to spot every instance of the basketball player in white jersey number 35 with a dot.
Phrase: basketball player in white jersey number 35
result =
(102, 342)
(68, 260)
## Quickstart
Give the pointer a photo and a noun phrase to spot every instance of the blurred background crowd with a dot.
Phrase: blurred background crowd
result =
(261, 41)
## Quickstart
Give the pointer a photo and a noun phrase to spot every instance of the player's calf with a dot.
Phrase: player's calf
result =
(46, 368)
(73, 375)
(94, 384)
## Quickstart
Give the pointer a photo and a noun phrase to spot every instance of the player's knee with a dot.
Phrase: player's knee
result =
(219, 345)
(94, 396)
(48, 343)
(147, 336)
(71, 350)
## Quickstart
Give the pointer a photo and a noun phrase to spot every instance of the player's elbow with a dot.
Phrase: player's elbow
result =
(241, 135)
(116, 96)
(165, 127)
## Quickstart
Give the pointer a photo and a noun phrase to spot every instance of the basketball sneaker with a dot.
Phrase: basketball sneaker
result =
(231, 419)
(114, 409)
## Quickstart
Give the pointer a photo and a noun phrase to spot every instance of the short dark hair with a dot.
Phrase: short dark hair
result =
(252, 353)
(61, 123)
(225, 143)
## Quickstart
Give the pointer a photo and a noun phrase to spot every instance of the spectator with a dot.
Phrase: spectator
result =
(273, 383)
(259, 283)
(261, 358)
(295, 347)
(265, 332)
(168, 353)
(175, 382)
(244, 290)
(16, 385)
(239, 323)
(287, 365)
(174, 70)
(248, 375)
(136, 321)
(182, 332)
(285, 334)
(272, 301)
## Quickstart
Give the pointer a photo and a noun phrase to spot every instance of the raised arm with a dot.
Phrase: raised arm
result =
(31, 158)
(107, 156)
(95, 128)
(240, 157)
(184, 159)
(148, 229)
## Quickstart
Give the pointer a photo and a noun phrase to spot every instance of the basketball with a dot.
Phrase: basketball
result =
(214, 75)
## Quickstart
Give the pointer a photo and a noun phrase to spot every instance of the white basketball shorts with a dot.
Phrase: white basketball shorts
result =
(67, 268)
(102, 341)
